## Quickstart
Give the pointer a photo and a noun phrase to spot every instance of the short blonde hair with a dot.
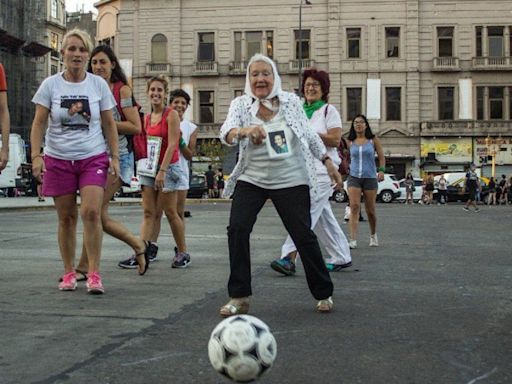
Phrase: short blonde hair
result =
(160, 78)
(82, 35)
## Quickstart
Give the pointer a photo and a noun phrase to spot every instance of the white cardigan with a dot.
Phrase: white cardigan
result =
(239, 116)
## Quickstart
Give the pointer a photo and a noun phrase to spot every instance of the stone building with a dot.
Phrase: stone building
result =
(30, 36)
(83, 20)
(434, 78)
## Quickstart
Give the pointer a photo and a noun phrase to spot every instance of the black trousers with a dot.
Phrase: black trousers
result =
(293, 206)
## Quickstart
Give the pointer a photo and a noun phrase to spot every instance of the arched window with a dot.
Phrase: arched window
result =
(159, 49)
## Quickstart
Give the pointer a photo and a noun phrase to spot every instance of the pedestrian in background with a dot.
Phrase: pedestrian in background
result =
(210, 182)
(326, 121)
(5, 120)
(472, 185)
(285, 179)
(75, 154)
(429, 189)
(442, 191)
(220, 182)
(491, 200)
(409, 188)
(364, 176)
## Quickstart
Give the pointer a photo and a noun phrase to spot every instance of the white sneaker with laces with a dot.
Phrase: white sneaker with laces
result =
(352, 244)
(374, 241)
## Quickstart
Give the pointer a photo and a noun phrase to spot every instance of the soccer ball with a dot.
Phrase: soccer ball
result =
(242, 348)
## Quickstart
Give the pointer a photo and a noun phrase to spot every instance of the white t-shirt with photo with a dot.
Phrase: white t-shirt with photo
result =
(74, 125)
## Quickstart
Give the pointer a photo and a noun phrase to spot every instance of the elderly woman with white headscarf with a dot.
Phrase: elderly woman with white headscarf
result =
(285, 177)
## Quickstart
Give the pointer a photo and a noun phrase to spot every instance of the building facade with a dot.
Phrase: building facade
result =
(434, 78)
(31, 32)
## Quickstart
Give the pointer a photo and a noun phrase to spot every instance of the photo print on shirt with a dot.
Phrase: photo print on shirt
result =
(75, 112)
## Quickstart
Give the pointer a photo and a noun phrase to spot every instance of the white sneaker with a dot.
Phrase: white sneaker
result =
(352, 244)
(374, 241)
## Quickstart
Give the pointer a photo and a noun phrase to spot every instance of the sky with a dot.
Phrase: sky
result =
(76, 5)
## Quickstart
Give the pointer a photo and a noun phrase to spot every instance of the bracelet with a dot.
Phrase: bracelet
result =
(381, 169)
(112, 156)
(325, 159)
(36, 156)
(162, 170)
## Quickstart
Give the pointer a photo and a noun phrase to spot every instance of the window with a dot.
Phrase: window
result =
(354, 102)
(392, 41)
(54, 69)
(206, 48)
(393, 104)
(496, 40)
(445, 41)
(270, 44)
(238, 47)
(478, 41)
(496, 102)
(445, 97)
(354, 43)
(206, 107)
(253, 43)
(305, 44)
(159, 49)
(54, 11)
(480, 100)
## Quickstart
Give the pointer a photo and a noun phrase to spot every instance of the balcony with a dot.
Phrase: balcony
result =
(466, 128)
(306, 63)
(208, 131)
(237, 67)
(445, 64)
(496, 63)
(158, 68)
(205, 68)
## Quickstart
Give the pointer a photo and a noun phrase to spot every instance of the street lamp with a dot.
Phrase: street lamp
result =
(307, 2)
(493, 147)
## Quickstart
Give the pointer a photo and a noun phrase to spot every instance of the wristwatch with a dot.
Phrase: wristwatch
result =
(325, 159)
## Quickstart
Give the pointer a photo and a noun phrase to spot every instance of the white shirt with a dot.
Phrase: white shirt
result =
(187, 129)
(74, 126)
(321, 124)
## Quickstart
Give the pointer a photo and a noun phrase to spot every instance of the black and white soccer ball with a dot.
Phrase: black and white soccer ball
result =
(242, 348)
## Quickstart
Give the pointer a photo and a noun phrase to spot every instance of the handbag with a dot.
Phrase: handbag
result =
(140, 142)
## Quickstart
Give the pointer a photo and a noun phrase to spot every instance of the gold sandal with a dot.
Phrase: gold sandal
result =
(325, 305)
(235, 307)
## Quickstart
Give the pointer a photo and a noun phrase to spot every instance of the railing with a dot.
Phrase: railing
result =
(446, 64)
(205, 67)
(206, 131)
(306, 63)
(237, 67)
(466, 127)
(154, 68)
(492, 62)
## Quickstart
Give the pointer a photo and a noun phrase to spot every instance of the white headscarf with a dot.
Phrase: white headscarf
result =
(275, 89)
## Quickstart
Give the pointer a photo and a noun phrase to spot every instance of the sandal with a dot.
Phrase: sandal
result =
(80, 276)
(146, 257)
(325, 305)
(235, 307)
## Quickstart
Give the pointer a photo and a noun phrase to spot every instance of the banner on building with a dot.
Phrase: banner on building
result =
(448, 149)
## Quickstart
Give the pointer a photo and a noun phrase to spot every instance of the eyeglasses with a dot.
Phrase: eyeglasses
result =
(312, 85)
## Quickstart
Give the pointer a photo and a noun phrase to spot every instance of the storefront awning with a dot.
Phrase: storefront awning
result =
(10, 42)
(35, 49)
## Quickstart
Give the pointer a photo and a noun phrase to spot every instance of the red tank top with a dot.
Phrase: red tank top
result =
(161, 130)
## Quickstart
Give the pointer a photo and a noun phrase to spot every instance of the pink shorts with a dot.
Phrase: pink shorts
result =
(64, 177)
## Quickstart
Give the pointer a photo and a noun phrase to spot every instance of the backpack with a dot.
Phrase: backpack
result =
(131, 143)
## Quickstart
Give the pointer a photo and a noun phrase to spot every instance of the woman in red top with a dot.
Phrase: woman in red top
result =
(159, 194)
(4, 120)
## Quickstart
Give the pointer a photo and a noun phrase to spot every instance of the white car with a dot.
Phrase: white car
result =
(389, 189)
(416, 195)
(133, 190)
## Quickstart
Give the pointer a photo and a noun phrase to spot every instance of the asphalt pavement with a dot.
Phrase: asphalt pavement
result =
(431, 304)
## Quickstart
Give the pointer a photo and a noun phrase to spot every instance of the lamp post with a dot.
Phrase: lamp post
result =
(307, 2)
(493, 146)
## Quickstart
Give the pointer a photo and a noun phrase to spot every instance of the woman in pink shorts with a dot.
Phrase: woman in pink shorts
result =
(75, 156)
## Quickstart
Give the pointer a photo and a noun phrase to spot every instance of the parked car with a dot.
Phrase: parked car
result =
(456, 191)
(134, 190)
(416, 195)
(389, 189)
(197, 186)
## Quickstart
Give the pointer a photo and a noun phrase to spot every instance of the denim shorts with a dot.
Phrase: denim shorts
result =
(174, 179)
(126, 163)
(365, 184)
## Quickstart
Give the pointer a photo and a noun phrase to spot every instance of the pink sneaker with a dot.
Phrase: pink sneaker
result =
(94, 285)
(68, 282)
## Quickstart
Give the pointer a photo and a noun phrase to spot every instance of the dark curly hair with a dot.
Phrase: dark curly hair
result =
(322, 77)
(367, 132)
(179, 93)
